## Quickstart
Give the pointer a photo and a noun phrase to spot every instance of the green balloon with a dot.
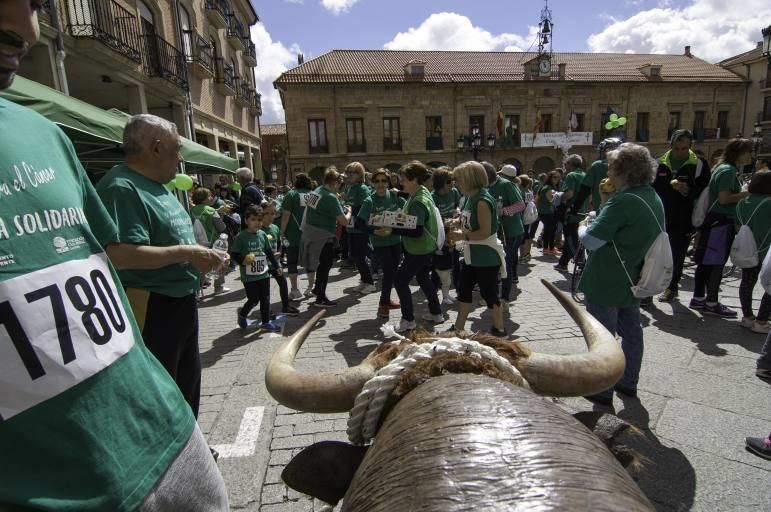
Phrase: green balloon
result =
(235, 187)
(183, 182)
(171, 186)
(621, 121)
(613, 117)
(609, 126)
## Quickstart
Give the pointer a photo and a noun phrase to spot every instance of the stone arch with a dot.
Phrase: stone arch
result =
(543, 164)
(317, 173)
(516, 163)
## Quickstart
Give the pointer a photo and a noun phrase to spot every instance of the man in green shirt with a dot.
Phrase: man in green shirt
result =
(574, 165)
(597, 172)
(509, 197)
(90, 420)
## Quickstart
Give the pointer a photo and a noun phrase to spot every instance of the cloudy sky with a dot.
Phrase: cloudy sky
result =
(715, 29)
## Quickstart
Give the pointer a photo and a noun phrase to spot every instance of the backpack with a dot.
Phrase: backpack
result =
(201, 238)
(530, 214)
(702, 207)
(765, 273)
(657, 267)
(744, 250)
(439, 240)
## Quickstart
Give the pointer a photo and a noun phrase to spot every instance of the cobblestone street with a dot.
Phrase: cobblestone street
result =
(698, 396)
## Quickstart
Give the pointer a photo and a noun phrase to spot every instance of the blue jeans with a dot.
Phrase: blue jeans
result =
(626, 322)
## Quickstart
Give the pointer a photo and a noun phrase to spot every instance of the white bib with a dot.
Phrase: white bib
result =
(258, 266)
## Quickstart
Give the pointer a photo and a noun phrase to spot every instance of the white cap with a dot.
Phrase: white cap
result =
(509, 170)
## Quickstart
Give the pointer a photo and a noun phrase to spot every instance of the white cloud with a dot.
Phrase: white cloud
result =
(273, 58)
(338, 6)
(451, 31)
(715, 29)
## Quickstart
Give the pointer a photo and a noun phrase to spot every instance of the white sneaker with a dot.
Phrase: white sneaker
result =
(747, 322)
(437, 319)
(482, 302)
(405, 325)
(448, 301)
(761, 327)
(367, 288)
(309, 292)
(295, 295)
(224, 289)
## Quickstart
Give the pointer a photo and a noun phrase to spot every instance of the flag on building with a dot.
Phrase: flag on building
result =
(572, 122)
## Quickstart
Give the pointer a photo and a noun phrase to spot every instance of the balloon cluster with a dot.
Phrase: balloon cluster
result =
(180, 182)
(614, 122)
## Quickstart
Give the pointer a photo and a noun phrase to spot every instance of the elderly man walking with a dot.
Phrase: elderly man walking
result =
(160, 268)
(250, 192)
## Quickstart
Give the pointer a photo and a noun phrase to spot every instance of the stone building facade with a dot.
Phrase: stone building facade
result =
(274, 153)
(133, 55)
(384, 108)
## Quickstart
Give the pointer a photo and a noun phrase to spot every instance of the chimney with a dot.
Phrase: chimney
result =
(300, 59)
(562, 67)
(688, 51)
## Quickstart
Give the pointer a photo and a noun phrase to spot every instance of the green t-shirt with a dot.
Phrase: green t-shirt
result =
(481, 255)
(596, 172)
(257, 243)
(273, 234)
(573, 182)
(355, 196)
(421, 205)
(446, 203)
(89, 420)
(509, 194)
(323, 209)
(759, 223)
(294, 203)
(148, 214)
(376, 205)
(626, 223)
(724, 178)
(543, 205)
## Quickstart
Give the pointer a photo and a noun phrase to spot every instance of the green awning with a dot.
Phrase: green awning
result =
(97, 134)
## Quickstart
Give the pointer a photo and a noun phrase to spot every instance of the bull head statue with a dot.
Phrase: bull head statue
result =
(462, 441)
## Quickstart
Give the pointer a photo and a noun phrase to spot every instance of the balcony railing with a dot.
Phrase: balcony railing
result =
(218, 12)
(225, 77)
(255, 103)
(243, 93)
(389, 144)
(235, 32)
(107, 22)
(360, 147)
(200, 54)
(162, 59)
(250, 53)
(434, 143)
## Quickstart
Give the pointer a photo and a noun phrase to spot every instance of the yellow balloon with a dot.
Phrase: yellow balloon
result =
(183, 182)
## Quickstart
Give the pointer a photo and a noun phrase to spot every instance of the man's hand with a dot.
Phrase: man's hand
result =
(680, 186)
(207, 260)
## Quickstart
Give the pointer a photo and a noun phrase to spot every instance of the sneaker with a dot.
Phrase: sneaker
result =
(497, 332)
(309, 292)
(224, 289)
(437, 319)
(668, 296)
(242, 321)
(561, 268)
(270, 326)
(383, 311)
(556, 252)
(747, 321)
(719, 310)
(406, 325)
(760, 446)
(392, 304)
(761, 327)
(697, 303)
(295, 295)
(448, 301)
(367, 288)
(324, 303)
(290, 310)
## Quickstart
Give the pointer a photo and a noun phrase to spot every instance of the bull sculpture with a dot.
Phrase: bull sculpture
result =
(452, 441)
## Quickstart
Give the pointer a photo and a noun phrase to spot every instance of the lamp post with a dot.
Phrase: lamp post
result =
(476, 142)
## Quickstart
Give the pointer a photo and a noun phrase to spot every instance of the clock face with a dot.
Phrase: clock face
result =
(544, 65)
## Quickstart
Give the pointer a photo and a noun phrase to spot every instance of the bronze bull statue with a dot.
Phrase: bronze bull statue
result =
(450, 441)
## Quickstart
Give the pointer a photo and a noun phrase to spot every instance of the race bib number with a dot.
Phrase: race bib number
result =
(303, 200)
(312, 199)
(258, 266)
(58, 327)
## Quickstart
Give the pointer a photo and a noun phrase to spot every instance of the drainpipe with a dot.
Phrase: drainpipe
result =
(61, 72)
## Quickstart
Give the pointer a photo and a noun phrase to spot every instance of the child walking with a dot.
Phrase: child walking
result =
(273, 234)
(252, 251)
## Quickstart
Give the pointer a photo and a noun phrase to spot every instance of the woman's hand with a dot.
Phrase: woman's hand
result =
(383, 232)
(456, 235)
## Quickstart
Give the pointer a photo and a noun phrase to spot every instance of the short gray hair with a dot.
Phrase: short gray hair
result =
(633, 164)
(245, 174)
(142, 129)
(575, 160)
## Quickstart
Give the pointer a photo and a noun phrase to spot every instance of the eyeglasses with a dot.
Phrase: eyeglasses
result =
(379, 181)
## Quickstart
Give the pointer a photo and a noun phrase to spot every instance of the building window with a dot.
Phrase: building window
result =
(546, 123)
(698, 125)
(479, 122)
(355, 129)
(722, 124)
(392, 135)
(511, 130)
(187, 43)
(317, 136)
(643, 133)
(579, 124)
(674, 123)
(434, 133)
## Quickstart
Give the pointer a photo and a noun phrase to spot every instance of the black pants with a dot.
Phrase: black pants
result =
(389, 257)
(570, 247)
(679, 238)
(530, 230)
(358, 246)
(549, 229)
(257, 292)
(171, 333)
(709, 276)
(485, 277)
(292, 257)
(511, 246)
(419, 267)
(283, 289)
(326, 258)
(749, 279)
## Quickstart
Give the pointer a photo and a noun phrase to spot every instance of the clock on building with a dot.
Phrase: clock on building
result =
(544, 66)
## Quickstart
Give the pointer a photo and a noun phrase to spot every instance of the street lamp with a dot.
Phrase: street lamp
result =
(476, 143)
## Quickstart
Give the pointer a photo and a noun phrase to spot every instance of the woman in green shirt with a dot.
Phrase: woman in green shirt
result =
(717, 232)
(358, 241)
(482, 262)
(546, 212)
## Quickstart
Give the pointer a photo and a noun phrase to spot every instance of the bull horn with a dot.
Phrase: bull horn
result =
(576, 374)
(326, 392)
